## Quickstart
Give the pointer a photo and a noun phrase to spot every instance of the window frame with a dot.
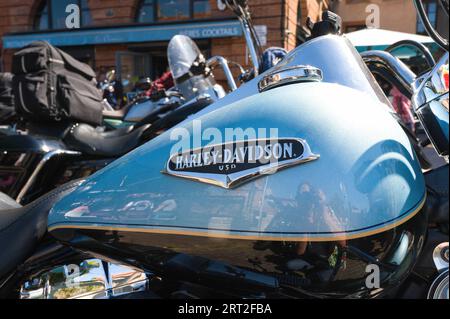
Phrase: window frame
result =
(192, 13)
(155, 12)
(48, 3)
(139, 9)
(426, 5)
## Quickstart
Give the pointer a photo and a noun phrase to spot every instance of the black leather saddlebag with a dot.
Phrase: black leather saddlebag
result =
(50, 85)
(6, 95)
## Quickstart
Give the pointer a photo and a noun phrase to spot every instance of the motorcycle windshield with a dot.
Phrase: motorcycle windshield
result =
(181, 53)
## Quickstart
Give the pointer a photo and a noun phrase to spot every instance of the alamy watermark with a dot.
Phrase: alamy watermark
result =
(373, 277)
(73, 19)
(72, 273)
(222, 146)
(373, 17)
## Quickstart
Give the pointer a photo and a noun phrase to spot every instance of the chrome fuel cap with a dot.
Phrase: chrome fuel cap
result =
(289, 75)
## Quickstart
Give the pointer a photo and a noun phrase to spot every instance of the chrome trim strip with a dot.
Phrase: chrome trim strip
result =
(21, 98)
(23, 64)
(56, 61)
(48, 156)
(293, 74)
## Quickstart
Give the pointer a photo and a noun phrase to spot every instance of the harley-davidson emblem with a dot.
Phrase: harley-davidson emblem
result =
(230, 164)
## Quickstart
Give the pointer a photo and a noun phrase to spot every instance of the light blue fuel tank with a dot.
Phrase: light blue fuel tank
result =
(366, 180)
(352, 197)
(367, 174)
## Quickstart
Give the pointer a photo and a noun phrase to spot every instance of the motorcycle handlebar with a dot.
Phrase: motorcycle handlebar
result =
(221, 61)
(382, 59)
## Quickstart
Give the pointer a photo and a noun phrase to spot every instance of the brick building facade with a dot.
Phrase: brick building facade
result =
(110, 30)
(396, 15)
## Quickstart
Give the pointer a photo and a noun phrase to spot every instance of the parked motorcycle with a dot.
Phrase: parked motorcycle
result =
(34, 163)
(239, 211)
(193, 78)
(112, 90)
(41, 158)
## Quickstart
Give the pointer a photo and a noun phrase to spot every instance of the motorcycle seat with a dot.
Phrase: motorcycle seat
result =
(22, 227)
(85, 138)
(120, 114)
(116, 114)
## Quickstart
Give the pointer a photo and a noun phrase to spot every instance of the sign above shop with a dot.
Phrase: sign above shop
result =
(261, 33)
(130, 34)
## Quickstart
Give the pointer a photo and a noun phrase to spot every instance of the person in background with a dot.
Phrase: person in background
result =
(164, 82)
(402, 106)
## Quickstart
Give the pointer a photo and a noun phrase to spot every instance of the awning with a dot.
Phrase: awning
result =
(379, 37)
(128, 34)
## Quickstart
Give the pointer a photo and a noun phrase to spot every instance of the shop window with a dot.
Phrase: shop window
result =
(201, 8)
(172, 10)
(300, 33)
(130, 67)
(52, 14)
(431, 10)
(353, 27)
(146, 11)
(42, 21)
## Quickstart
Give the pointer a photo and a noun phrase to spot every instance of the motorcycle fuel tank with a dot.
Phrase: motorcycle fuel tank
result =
(367, 172)
(346, 190)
